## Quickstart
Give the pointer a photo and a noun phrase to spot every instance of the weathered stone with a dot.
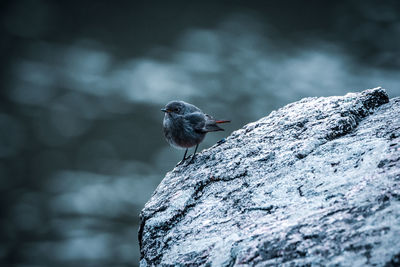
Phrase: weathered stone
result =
(315, 182)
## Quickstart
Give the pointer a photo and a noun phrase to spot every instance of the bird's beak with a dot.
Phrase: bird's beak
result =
(165, 110)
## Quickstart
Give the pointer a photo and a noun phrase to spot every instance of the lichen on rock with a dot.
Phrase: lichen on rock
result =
(315, 182)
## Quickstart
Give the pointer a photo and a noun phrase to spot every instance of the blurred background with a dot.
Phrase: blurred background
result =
(81, 146)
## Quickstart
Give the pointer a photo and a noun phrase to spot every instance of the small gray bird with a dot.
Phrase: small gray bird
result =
(185, 125)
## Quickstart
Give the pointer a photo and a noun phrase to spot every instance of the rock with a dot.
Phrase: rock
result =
(316, 182)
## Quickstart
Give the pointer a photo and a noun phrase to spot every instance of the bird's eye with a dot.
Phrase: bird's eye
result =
(177, 110)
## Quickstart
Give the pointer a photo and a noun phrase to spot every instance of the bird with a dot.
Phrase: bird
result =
(185, 126)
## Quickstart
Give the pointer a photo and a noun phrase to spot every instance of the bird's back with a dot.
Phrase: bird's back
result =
(191, 108)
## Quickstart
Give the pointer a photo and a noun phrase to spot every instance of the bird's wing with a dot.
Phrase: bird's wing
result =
(197, 120)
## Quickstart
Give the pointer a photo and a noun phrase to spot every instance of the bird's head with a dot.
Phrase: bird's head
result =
(175, 108)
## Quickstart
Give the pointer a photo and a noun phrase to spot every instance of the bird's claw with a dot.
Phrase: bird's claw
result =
(192, 157)
(182, 161)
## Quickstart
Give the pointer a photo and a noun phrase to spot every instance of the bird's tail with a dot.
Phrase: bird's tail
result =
(222, 121)
(211, 126)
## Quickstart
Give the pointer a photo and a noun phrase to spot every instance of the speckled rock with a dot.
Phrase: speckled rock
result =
(316, 182)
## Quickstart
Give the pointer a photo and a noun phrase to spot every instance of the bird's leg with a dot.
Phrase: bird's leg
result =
(194, 154)
(184, 157)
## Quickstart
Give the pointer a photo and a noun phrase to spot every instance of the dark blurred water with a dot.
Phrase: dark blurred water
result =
(81, 146)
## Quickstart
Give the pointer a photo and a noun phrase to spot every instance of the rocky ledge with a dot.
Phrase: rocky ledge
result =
(316, 182)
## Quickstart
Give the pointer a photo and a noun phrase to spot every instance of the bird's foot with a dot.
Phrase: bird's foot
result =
(182, 161)
(192, 159)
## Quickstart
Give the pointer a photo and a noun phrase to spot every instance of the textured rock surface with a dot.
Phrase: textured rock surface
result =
(316, 182)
